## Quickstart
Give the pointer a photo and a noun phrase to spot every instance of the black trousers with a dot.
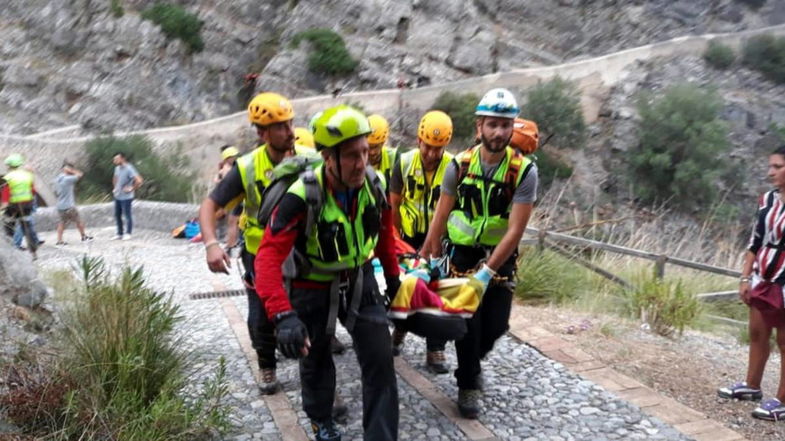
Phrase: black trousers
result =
(371, 341)
(490, 321)
(261, 329)
(13, 213)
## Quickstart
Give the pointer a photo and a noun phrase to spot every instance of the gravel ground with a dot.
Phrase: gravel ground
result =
(528, 397)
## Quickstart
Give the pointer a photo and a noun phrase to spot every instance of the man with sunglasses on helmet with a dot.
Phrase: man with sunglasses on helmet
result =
(486, 201)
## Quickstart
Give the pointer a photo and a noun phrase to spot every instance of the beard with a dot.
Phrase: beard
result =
(495, 145)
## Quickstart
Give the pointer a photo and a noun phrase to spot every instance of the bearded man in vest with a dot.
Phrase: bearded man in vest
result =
(331, 222)
(414, 190)
(271, 115)
(18, 193)
(486, 201)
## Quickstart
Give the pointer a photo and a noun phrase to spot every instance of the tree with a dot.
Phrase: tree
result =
(556, 108)
(682, 147)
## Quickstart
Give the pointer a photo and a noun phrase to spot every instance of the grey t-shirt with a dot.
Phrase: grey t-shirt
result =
(125, 175)
(64, 186)
(526, 193)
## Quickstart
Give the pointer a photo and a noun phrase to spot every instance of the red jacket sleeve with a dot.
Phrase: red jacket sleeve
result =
(5, 194)
(385, 247)
(274, 249)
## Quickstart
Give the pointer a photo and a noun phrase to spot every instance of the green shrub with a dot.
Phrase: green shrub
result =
(116, 7)
(460, 107)
(165, 178)
(664, 305)
(718, 55)
(328, 52)
(556, 108)
(121, 370)
(766, 54)
(550, 167)
(544, 276)
(682, 147)
(176, 22)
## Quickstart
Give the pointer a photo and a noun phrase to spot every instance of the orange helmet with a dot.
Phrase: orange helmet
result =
(269, 108)
(525, 136)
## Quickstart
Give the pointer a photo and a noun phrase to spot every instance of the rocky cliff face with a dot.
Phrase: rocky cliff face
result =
(67, 62)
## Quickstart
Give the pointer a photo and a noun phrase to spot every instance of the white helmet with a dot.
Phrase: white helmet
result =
(498, 102)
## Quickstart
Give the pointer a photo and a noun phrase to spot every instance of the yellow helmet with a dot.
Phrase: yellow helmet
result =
(269, 108)
(435, 128)
(304, 137)
(380, 129)
(229, 152)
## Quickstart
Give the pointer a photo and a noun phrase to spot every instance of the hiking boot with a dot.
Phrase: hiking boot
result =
(340, 410)
(336, 346)
(469, 403)
(398, 337)
(270, 383)
(770, 410)
(436, 362)
(60, 243)
(740, 391)
(325, 430)
(87, 238)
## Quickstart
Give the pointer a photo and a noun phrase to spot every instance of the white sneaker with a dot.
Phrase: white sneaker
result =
(116, 237)
(126, 237)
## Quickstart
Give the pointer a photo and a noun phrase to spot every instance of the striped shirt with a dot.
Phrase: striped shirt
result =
(767, 238)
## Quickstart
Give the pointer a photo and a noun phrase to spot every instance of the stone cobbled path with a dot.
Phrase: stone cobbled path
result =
(528, 396)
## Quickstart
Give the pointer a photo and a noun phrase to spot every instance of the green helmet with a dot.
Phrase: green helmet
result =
(337, 124)
(14, 160)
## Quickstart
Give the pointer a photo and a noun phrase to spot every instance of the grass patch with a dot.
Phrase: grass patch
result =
(547, 277)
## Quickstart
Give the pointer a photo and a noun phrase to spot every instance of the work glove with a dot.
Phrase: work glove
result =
(393, 283)
(484, 276)
(291, 335)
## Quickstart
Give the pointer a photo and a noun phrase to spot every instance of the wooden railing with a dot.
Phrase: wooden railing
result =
(552, 240)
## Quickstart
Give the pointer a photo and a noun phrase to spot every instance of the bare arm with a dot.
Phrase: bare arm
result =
(138, 181)
(395, 201)
(519, 218)
(746, 271)
(217, 259)
(433, 240)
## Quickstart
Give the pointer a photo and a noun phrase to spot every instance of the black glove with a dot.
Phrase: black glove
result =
(393, 283)
(290, 333)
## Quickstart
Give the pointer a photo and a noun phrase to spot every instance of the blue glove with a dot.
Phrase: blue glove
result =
(484, 276)
(421, 273)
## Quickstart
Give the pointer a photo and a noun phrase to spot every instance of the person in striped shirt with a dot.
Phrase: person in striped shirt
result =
(760, 287)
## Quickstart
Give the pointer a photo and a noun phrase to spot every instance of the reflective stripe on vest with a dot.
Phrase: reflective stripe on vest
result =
(338, 243)
(256, 174)
(482, 207)
(418, 197)
(20, 186)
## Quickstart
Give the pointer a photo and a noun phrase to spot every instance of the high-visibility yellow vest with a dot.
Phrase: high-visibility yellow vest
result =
(483, 205)
(256, 174)
(418, 196)
(336, 242)
(20, 185)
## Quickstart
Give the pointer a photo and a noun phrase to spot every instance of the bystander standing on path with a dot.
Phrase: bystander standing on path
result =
(66, 202)
(760, 287)
(124, 182)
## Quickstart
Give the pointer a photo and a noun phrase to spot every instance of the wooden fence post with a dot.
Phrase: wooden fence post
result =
(659, 267)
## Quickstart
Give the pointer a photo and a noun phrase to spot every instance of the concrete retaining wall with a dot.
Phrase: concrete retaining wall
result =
(158, 216)
(200, 140)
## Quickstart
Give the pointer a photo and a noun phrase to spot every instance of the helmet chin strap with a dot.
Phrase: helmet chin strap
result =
(338, 176)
